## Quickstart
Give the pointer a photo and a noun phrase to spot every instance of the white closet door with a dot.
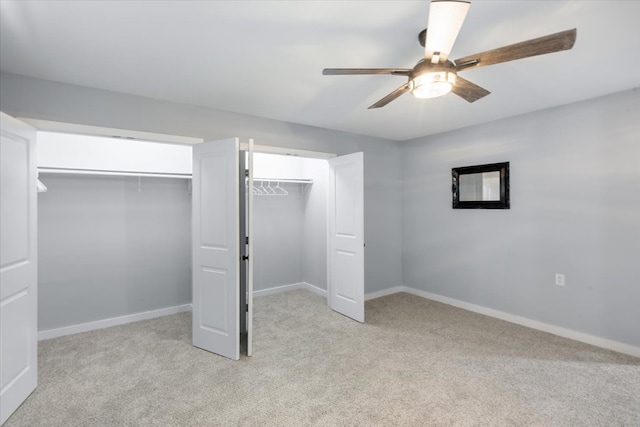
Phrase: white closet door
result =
(346, 235)
(215, 247)
(18, 265)
(250, 251)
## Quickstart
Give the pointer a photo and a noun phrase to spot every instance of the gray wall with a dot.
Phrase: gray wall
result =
(315, 224)
(106, 249)
(278, 234)
(575, 209)
(39, 99)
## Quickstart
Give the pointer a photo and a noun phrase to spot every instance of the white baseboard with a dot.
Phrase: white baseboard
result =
(316, 290)
(286, 288)
(384, 293)
(533, 324)
(114, 321)
(279, 289)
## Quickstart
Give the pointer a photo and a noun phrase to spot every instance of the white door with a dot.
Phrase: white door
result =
(250, 251)
(345, 259)
(215, 247)
(18, 265)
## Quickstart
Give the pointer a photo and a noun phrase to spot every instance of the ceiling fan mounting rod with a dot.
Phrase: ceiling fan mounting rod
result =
(422, 37)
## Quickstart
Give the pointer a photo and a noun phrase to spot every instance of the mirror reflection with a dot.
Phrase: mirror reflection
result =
(480, 186)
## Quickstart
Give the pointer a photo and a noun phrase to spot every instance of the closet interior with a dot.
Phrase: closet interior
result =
(289, 223)
(114, 231)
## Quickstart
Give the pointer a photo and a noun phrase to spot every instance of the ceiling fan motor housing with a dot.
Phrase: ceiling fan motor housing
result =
(423, 67)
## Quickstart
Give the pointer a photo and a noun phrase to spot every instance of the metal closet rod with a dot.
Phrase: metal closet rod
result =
(284, 180)
(70, 171)
(113, 173)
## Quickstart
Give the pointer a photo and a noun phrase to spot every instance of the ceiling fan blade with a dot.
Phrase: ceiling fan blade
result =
(468, 91)
(393, 95)
(351, 71)
(563, 40)
(445, 20)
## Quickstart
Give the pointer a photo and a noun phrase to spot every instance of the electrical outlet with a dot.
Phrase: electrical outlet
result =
(559, 279)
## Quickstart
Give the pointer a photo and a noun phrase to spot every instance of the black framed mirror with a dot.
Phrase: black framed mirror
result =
(481, 186)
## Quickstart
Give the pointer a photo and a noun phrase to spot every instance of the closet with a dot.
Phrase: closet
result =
(224, 241)
(114, 231)
(127, 227)
(290, 223)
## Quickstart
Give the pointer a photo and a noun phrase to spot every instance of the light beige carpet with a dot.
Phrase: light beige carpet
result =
(414, 363)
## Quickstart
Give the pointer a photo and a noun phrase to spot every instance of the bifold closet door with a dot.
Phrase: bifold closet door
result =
(18, 265)
(250, 246)
(246, 244)
(345, 259)
(215, 247)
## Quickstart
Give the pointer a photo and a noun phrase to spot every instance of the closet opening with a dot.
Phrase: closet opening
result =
(289, 224)
(114, 231)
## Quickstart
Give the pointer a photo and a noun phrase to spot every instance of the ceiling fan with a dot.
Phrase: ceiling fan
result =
(435, 75)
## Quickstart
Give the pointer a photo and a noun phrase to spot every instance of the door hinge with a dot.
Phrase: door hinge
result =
(247, 308)
(246, 173)
(245, 257)
(246, 240)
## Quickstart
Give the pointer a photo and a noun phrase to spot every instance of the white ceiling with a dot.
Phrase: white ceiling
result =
(265, 58)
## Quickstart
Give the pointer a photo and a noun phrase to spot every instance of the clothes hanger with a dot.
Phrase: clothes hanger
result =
(282, 191)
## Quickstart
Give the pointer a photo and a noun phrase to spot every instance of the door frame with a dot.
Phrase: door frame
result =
(270, 149)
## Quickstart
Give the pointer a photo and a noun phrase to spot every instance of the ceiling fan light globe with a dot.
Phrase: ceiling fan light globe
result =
(432, 85)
